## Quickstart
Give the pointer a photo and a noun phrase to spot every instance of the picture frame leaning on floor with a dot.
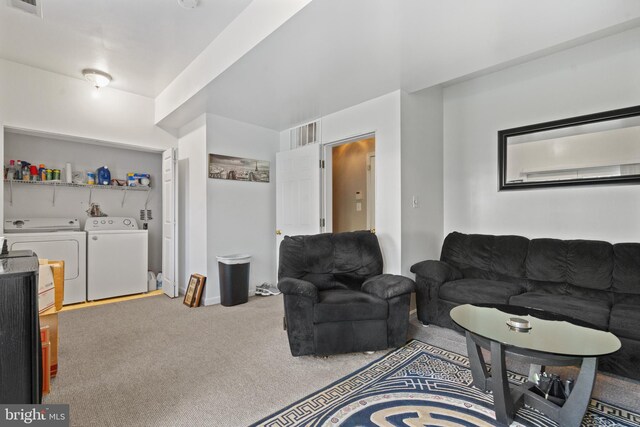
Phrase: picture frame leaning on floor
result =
(193, 294)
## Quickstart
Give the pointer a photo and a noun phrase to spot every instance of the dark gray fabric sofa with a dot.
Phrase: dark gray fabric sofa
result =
(589, 280)
(336, 299)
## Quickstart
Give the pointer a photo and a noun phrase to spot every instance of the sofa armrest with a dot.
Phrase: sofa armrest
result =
(297, 287)
(437, 271)
(387, 286)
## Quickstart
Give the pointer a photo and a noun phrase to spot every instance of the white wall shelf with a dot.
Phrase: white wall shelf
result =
(55, 184)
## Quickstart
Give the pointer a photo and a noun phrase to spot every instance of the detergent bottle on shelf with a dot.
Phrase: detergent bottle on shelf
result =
(104, 176)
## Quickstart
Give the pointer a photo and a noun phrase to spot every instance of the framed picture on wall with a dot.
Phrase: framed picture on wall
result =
(238, 169)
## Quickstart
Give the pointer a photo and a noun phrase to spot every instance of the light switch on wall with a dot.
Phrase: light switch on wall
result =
(414, 202)
(358, 207)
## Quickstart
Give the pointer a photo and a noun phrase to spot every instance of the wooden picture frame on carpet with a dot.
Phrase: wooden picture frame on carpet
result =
(190, 293)
(199, 287)
(194, 290)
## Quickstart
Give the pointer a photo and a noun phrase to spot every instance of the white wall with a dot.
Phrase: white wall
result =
(192, 201)
(31, 98)
(598, 76)
(240, 215)
(36, 201)
(422, 136)
(380, 116)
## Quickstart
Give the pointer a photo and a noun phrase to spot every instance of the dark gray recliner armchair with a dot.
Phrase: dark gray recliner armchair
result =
(336, 299)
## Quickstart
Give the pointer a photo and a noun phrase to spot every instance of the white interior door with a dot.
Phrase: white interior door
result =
(169, 223)
(298, 193)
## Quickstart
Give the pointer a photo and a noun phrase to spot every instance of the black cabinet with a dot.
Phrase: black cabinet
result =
(20, 347)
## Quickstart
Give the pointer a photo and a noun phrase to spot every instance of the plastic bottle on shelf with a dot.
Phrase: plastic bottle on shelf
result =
(68, 173)
(42, 172)
(18, 174)
(34, 173)
(11, 170)
(104, 176)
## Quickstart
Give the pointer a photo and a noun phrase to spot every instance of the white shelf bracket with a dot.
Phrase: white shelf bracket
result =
(124, 196)
(11, 193)
(90, 195)
(54, 196)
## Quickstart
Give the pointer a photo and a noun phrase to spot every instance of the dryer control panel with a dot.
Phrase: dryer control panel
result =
(40, 225)
(110, 223)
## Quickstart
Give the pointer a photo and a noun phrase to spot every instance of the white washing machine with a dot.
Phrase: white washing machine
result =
(117, 257)
(55, 239)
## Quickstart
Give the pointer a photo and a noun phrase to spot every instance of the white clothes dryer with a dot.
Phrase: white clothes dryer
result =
(117, 257)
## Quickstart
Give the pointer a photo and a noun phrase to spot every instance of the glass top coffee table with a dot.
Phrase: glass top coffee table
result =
(541, 339)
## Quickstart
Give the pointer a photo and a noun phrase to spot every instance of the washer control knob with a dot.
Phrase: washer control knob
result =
(127, 221)
(103, 222)
(110, 221)
(95, 221)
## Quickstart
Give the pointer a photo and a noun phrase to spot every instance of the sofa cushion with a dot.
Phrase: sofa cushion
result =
(339, 305)
(626, 268)
(625, 321)
(584, 263)
(471, 291)
(500, 255)
(589, 264)
(589, 310)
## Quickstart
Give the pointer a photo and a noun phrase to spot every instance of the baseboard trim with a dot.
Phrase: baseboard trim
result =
(212, 301)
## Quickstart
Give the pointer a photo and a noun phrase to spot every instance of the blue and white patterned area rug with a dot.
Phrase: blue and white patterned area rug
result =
(420, 385)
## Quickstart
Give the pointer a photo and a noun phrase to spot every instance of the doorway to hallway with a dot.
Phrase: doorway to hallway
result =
(350, 185)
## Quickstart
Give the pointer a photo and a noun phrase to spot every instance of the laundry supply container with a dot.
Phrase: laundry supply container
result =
(234, 278)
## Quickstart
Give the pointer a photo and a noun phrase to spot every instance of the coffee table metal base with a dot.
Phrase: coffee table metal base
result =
(508, 398)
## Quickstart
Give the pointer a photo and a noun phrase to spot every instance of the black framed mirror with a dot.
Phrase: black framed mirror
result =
(601, 148)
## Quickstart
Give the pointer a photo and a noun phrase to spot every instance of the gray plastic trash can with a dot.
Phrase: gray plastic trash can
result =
(234, 278)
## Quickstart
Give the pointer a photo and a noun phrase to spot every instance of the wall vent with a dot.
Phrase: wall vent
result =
(305, 135)
(33, 7)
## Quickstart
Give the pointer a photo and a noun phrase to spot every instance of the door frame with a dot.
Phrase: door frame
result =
(326, 180)
(371, 195)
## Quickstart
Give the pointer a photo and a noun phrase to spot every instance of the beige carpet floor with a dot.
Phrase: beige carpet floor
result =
(155, 362)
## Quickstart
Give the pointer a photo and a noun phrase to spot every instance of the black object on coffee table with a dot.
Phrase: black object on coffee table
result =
(548, 339)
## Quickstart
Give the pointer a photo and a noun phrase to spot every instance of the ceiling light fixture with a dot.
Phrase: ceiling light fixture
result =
(188, 4)
(97, 78)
